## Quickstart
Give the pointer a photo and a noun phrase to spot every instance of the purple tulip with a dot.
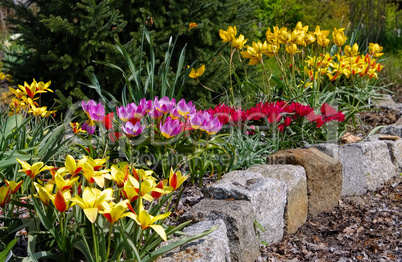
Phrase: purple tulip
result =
(213, 126)
(155, 114)
(89, 126)
(185, 109)
(132, 130)
(198, 119)
(174, 114)
(96, 112)
(164, 104)
(146, 105)
(171, 127)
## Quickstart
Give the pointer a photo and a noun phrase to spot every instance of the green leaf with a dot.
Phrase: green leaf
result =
(5, 253)
(85, 249)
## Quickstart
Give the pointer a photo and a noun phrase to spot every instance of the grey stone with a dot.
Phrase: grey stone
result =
(324, 176)
(238, 215)
(266, 195)
(394, 148)
(296, 185)
(211, 248)
(395, 130)
(365, 165)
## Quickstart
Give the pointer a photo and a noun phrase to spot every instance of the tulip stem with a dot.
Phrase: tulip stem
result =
(95, 239)
(108, 241)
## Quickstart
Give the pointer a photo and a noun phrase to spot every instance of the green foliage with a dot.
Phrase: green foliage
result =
(62, 39)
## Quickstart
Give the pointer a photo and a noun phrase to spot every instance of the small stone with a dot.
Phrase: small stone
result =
(388, 137)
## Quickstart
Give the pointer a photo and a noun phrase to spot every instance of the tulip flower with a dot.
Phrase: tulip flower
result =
(176, 179)
(17, 92)
(30, 90)
(198, 119)
(33, 170)
(164, 104)
(13, 185)
(38, 111)
(95, 163)
(292, 49)
(41, 87)
(44, 192)
(185, 109)
(108, 121)
(272, 50)
(254, 52)
(239, 42)
(212, 127)
(155, 194)
(61, 200)
(171, 128)
(192, 25)
(145, 220)
(375, 50)
(196, 73)
(141, 174)
(63, 184)
(5, 195)
(351, 51)
(92, 199)
(229, 34)
(72, 166)
(146, 105)
(132, 130)
(155, 114)
(174, 114)
(95, 176)
(76, 128)
(339, 37)
(96, 112)
(89, 127)
(113, 212)
(119, 175)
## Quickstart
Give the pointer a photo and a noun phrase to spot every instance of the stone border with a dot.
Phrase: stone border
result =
(258, 205)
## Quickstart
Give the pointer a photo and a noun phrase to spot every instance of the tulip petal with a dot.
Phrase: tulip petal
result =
(160, 231)
(91, 213)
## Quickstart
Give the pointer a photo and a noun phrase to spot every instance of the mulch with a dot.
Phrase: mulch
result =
(360, 228)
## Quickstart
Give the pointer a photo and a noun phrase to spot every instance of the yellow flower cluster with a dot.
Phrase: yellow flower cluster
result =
(291, 40)
(25, 99)
(128, 185)
(350, 63)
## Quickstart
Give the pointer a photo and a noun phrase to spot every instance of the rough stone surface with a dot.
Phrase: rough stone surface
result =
(324, 176)
(266, 195)
(296, 184)
(394, 148)
(354, 177)
(238, 215)
(366, 165)
(395, 130)
(211, 248)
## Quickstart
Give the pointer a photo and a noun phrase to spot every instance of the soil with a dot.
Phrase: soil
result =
(361, 228)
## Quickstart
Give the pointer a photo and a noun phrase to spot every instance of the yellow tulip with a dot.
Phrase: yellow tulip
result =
(13, 185)
(93, 176)
(254, 52)
(33, 170)
(309, 38)
(375, 50)
(176, 179)
(284, 36)
(291, 49)
(63, 184)
(42, 87)
(272, 37)
(272, 50)
(339, 36)
(351, 51)
(229, 34)
(239, 42)
(119, 175)
(44, 192)
(5, 194)
(92, 199)
(196, 73)
(113, 212)
(145, 220)
(76, 128)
